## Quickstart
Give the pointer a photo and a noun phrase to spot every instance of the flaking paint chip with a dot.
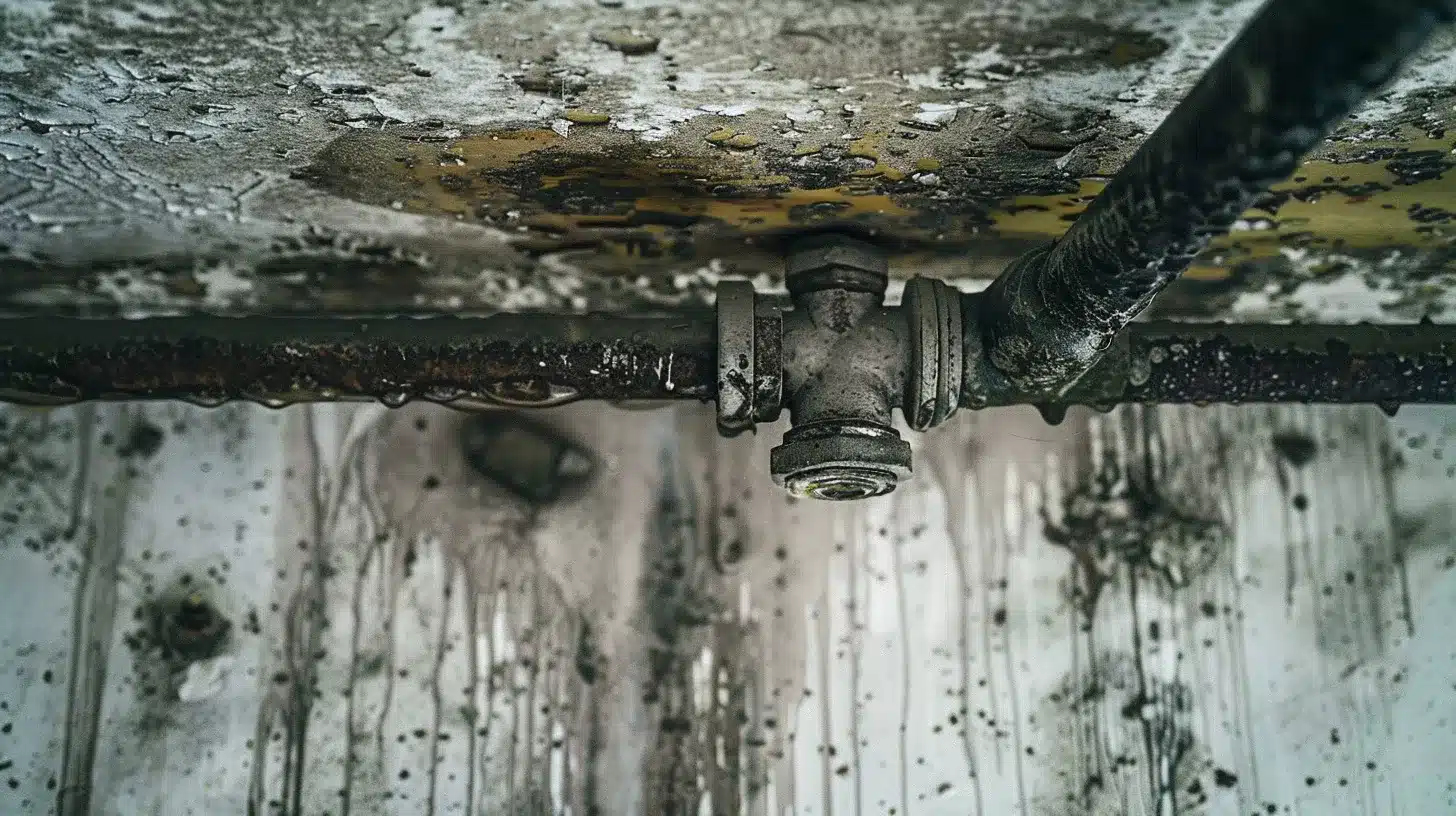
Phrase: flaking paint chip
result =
(582, 117)
(627, 41)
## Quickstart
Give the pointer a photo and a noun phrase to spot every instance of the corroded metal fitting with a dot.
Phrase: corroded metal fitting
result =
(842, 361)
(840, 460)
(933, 380)
(831, 261)
(736, 369)
(750, 362)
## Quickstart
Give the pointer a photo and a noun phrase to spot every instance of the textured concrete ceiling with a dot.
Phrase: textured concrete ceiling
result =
(364, 155)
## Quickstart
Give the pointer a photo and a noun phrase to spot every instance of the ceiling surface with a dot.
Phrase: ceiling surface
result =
(344, 609)
(367, 155)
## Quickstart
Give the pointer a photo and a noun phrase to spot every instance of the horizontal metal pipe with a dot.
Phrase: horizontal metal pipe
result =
(1386, 365)
(1291, 75)
(541, 360)
(1162, 362)
(510, 359)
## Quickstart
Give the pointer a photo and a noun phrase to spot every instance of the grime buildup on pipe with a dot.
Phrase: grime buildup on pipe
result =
(509, 359)
(543, 360)
(1179, 363)
(1296, 71)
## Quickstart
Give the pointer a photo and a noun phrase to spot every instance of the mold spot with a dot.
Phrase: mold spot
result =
(1118, 518)
(144, 440)
(525, 457)
(190, 627)
(1419, 165)
(1295, 447)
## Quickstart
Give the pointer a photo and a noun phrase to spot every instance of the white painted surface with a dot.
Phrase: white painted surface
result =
(923, 653)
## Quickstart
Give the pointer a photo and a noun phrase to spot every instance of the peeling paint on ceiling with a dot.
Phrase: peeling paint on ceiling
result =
(550, 154)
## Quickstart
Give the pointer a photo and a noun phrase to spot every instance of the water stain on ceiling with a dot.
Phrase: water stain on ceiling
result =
(554, 154)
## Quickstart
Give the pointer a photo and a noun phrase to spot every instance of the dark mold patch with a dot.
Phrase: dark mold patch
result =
(1121, 517)
(1043, 48)
(524, 456)
(37, 457)
(1419, 165)
(182, 624)
(1295, 447)
(143, 441)
(190, 628)
(1146, 750)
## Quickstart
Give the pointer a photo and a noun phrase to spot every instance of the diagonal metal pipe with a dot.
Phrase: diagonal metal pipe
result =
(1293, 73)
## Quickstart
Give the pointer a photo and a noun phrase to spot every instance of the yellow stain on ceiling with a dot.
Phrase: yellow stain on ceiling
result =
(1331, 203)
(868, 147)
(469, 176)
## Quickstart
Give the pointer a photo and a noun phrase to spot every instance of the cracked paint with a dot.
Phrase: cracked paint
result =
(159, 143)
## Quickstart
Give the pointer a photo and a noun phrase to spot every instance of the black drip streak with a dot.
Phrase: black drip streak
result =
(1149, 753)
(474, 715)
(539, 661)
(898, 525)
(857, 522)
(390, 577)
(356, 611)
(487, 717)
(93, 620)
(1001, 543)
(301, 663)
(1085, 575)
(988, 616)
(826, 733)
(1151, 747)
(508, 679)
(1387, 472)
(435, 698)
(957, 541)
(376, 549)
(1291, 567)
(1234, 633)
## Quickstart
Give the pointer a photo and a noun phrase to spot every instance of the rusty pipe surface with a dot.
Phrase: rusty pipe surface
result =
(1183, 363)
(509, 359)
(542, 360)
(1293, 73)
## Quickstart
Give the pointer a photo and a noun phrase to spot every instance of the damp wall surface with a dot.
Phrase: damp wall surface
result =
(329, 610)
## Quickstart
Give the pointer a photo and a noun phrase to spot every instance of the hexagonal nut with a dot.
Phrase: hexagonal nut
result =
(840, 467)
(836, 262)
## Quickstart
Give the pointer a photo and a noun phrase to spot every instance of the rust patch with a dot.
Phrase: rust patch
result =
(1365, 197)
(611, 192)
(642, 206)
